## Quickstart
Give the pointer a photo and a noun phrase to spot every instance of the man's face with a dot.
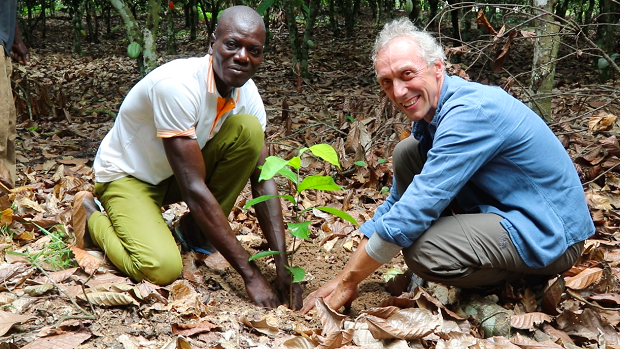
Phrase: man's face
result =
(237, 52)
(410, 83)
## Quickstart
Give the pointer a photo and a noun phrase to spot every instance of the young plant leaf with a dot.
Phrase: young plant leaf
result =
(318, 182)
(262, 198)
(295, 162)
(297, 272)
(381, 161)
(286, 172)
(302, 150)
(326, 152)
(272, 165)
(338, 213)
(263, 254)
(300, 230)
(360, 163)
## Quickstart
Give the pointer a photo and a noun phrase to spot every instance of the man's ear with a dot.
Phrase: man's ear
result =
(211, 42)
(438, 65)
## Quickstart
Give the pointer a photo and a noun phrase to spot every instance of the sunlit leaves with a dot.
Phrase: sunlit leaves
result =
(263, 198)
(319, 183)
(298, 273)
(264, 254)
(272, 165)
(300, 230)
(338, 213)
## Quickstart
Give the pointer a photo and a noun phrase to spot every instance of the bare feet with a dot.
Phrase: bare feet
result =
(83, 207)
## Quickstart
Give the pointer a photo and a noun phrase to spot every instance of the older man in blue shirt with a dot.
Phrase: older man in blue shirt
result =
(477, 146)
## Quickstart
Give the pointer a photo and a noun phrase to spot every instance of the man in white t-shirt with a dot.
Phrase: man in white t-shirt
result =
(192, 130)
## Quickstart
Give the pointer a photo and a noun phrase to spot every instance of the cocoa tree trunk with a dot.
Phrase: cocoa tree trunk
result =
(545, 53)
(145, 36)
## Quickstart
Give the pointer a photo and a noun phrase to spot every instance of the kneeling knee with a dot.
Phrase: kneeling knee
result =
(163, 272)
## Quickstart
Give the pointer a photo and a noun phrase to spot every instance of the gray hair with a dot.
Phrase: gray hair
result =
(430, 50)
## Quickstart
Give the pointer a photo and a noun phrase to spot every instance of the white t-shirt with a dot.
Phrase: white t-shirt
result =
(178, 98)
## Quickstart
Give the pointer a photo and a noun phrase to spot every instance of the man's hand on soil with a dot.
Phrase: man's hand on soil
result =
(335, 294)
(261, 293)
(283, 287)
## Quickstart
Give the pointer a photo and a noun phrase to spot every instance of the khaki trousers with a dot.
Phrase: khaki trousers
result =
(134, 235)
(465, 250)
(8, 132)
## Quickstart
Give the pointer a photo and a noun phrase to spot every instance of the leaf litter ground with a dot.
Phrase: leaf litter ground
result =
(66, 105)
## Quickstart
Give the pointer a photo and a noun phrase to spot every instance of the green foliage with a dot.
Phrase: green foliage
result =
(55, 254)
(360, 163)
(262, 8)
(298, 273)
(300, 230)
(264, 254)
(385, 190)
(290, 169)
(391, 274)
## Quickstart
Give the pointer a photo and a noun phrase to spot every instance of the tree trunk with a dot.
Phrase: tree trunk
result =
(193, 19)
(146, 37)
(333, 21)
(545, 53)
(291, 24)
(78, 27)
(171, 42)
(432, 22)
(588, 16)
(416, 13)
(454, 16)
(305, 49)
(349, 18)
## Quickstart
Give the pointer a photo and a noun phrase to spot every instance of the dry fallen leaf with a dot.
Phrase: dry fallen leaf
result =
(552, 296)
(187, 330)
(57, 276)
(7, 217)
(266, 324)
(85, 260)
(411, 323)
(528, 320)
(584, 279)
(38, 290)
(7, 320)
(63, 341)
(526, 343)
(109, 299)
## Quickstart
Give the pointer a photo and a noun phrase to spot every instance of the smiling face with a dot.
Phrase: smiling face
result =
(237, 50)
(409, 82)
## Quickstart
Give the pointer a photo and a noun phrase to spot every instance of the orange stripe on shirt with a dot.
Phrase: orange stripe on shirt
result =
(169, 134)
(211, 88)
(223, 107)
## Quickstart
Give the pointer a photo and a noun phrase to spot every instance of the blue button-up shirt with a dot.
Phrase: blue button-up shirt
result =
(494, 155)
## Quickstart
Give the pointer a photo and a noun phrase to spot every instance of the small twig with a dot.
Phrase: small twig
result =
(87, 315)
(5, 188)
(602, 174)
(579, 297)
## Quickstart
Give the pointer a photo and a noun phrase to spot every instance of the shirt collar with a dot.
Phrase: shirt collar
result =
(211, 87)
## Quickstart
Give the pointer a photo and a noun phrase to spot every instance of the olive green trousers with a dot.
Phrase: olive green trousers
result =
(134, 235)
(8, 132)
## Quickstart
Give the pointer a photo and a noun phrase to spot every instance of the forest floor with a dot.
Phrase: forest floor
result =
(67, 103)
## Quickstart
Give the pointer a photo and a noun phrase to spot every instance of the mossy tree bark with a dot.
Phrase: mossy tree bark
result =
(545, 53)
(145, 35)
